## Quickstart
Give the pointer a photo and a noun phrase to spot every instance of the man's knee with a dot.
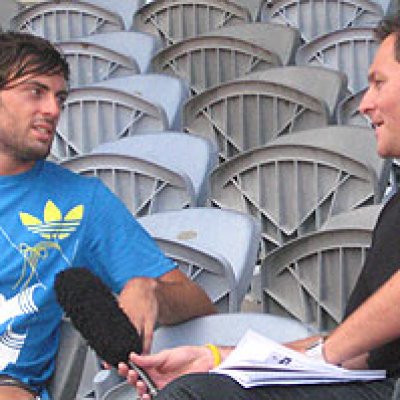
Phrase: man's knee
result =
(201, 387)
(183, 388)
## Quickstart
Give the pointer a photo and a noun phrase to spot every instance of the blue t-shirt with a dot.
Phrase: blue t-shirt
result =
(52, 219)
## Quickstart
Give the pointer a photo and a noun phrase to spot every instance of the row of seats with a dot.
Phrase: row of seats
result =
(283, 100)
(176, 20)
(155, 172)
(219, 56)
(98, 47)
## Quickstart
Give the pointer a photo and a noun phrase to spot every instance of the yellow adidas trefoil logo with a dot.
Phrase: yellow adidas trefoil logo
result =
(53, 226)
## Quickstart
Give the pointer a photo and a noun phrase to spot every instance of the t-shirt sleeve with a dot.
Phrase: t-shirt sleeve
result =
(382, 262)
(116, 246)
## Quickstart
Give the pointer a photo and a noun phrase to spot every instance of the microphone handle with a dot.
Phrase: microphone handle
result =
(145, 378)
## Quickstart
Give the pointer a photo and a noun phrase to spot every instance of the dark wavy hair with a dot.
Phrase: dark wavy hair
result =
(24, 54)
(386, 27)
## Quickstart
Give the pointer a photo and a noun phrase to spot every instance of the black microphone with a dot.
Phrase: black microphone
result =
(95, 313)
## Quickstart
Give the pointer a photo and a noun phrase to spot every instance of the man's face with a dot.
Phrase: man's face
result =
(29, 111)
(381, 103)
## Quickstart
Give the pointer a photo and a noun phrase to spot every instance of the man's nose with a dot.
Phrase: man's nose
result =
(367, 102)
(52, 106)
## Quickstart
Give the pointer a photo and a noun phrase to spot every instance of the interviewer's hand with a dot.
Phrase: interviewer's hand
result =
(139, 301)
(167, 365)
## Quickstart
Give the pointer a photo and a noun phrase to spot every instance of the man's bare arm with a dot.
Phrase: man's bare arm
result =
(181, 299)
(375, 323)
(169, 299)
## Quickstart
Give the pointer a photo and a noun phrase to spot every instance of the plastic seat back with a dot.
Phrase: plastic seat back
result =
(93, 115)
(137, 46)
(296, 182)
(249, 112)
(175, 20)
(90, 63)
(348, 50)
(211, 272)
(227, 53)
(143, 186)
(65, 20)
(311, 278)
(315, 18)
(172, 150)
(170, 95)
(320, 82)
(126, 9)
(206, 231)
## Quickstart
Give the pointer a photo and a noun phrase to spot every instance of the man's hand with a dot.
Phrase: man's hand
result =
(301, 345)
(167, 365)
(169, 299)
(139, 301)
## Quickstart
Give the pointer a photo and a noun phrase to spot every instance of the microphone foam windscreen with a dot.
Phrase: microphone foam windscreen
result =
(95, 313)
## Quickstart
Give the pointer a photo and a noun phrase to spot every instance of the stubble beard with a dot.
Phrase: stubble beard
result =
(27, 152)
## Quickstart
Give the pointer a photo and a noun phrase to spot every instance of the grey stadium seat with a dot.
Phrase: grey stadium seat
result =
(93, 115)
(137, 46)
(311, 278)
(320, 82)
(117, 108)
(249, 112)
(297, 181)
(174, 151)
(125, 8)
(100, 57)
(228, 53)
(315, 18)
(348, 50)
(201, 241)
(65, 20)
(143, 186)
(90, 63)
(169, 92)
(174, 20)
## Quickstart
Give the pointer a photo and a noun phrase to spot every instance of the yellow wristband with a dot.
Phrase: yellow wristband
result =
(216, 354)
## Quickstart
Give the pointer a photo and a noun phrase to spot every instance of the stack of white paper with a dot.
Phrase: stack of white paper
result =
(258, 361)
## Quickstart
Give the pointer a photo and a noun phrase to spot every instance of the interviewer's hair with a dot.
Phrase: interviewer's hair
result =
(24, 54)
(386, 27)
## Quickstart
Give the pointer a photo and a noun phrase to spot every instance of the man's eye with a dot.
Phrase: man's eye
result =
(36, 92)
(61, 101)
